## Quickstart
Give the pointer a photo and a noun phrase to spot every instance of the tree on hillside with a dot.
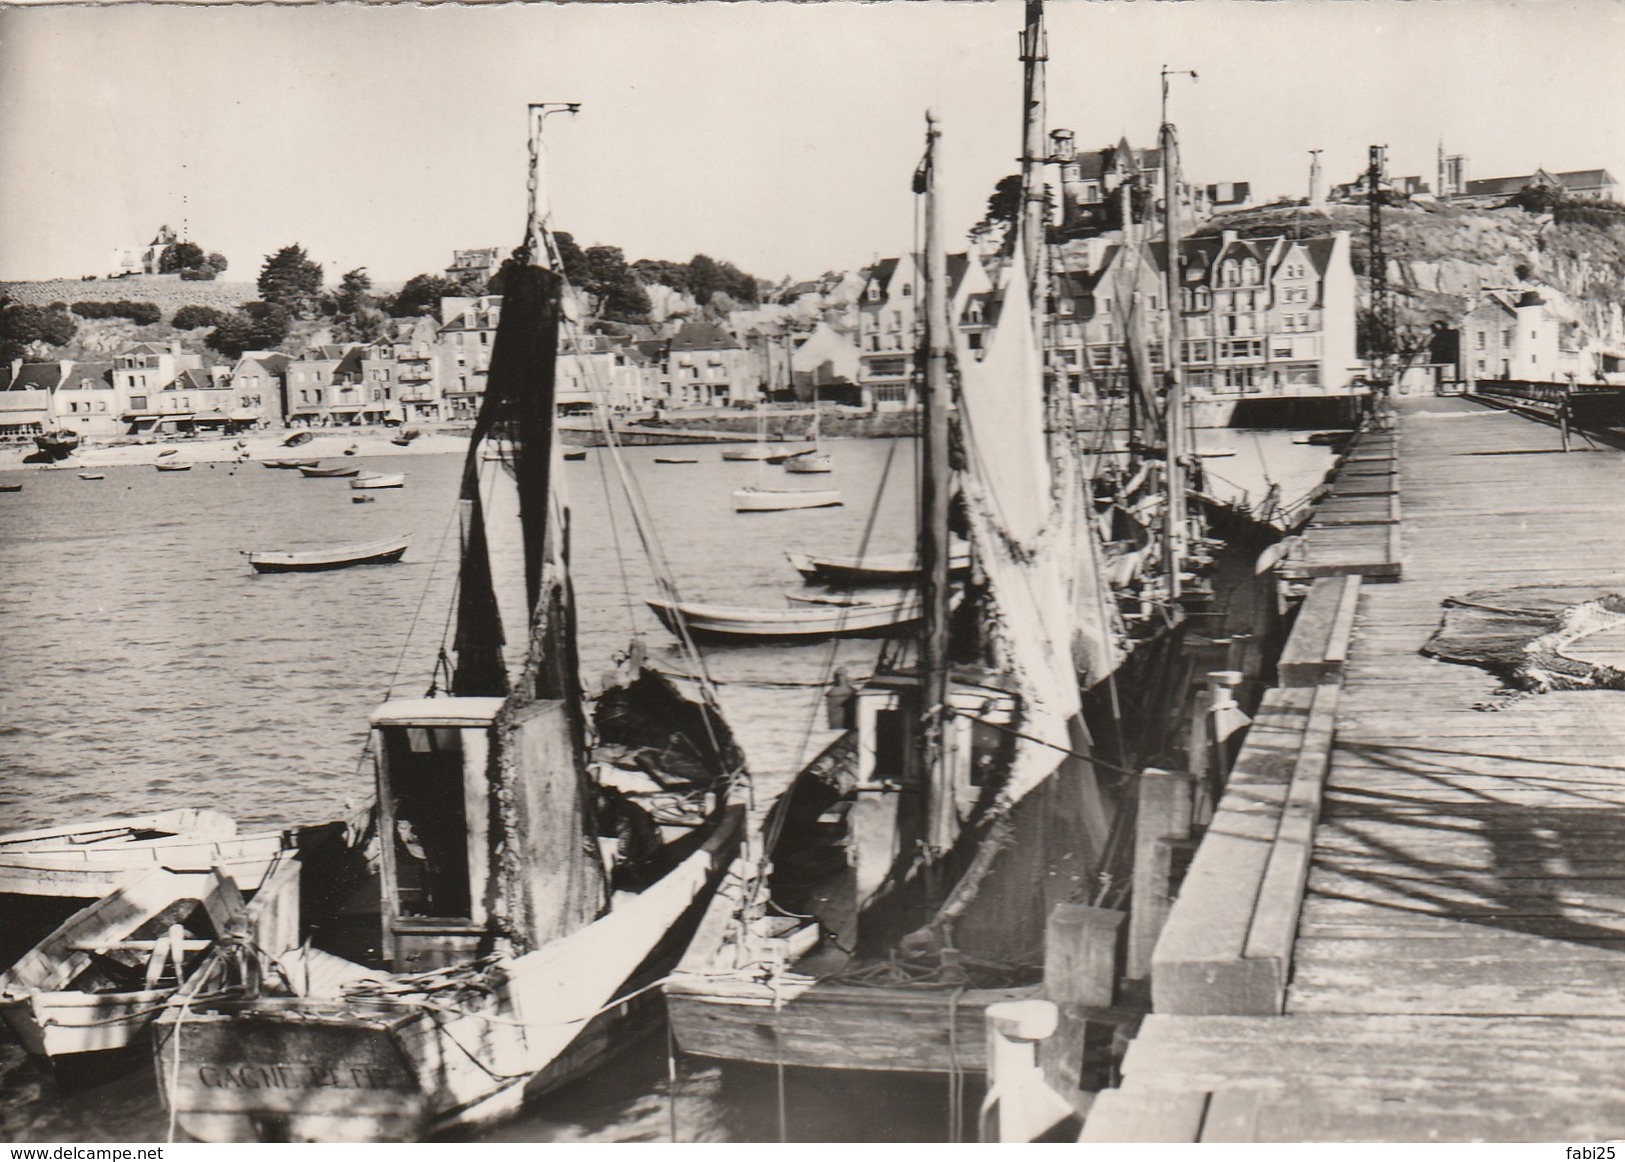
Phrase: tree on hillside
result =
(190, 318)
(672, 274)
(353, 309)
(258, 326)
(707, 276)
(27, 331)
(291, 280)
(180, 256)
(420, 296)
(617, 293)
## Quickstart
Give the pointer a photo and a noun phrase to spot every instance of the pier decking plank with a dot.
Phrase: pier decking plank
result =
(1458, 970)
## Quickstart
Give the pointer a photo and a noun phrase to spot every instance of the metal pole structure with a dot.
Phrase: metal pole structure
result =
(1382, 299)
(1175, 533)
(934, 492)
(541, 209)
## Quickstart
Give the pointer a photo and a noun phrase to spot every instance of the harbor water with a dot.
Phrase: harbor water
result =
(146, 666)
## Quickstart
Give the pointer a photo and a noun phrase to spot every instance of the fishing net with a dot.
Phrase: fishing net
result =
(1538, 637)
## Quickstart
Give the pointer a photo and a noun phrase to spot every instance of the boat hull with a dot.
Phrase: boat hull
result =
(382, 553)
(890, 569)
(809, 465)
(307, 1070)
(784, 500)
(753, 452)
(395, 480)
(331, 473)
(768, 624)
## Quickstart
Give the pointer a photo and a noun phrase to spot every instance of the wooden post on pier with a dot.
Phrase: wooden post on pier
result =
(1164, 813)
(1080, 955)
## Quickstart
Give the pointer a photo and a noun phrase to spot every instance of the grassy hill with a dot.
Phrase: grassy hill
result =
(167, 290)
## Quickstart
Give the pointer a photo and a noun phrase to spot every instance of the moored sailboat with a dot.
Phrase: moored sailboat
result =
(532, 889)
(904, 879)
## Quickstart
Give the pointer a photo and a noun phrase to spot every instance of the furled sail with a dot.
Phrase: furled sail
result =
(1039, 838)
(516, 631)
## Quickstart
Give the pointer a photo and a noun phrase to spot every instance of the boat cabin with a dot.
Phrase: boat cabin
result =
(890, 809)
(434, 793)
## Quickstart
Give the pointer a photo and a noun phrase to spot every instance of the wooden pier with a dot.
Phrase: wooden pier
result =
(1407, 919)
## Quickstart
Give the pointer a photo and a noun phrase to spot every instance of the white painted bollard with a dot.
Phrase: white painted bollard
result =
(1019, 1106)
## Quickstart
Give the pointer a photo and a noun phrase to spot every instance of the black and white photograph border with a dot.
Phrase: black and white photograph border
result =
(1182, 706)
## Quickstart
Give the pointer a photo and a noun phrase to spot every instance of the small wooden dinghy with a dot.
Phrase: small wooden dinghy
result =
(332, 557)
(814, 620)
(363, 500)
(786, 455)
(98, 981)
(92, 476)
(784, 499)
(810, 464)
(576, 454)
(89, 860)
(879, 569)
(748, 452)
(290, 463)
(172, 466)
(167, 452)
(676, 460)
(329, 473)
(11, 487)
(379, 480)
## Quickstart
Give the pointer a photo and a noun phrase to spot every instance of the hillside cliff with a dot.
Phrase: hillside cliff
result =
(1441, 257)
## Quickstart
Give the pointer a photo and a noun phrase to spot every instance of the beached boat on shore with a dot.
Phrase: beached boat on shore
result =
(332, 557)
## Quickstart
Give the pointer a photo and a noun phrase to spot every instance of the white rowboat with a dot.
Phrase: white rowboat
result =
(811, 621)
(379, 480)
(783, 499)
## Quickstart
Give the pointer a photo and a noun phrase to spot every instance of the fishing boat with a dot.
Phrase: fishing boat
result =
(332, 557)
(290, 464)
(813, 622)
(172, 466)
(907, 874)
(784, 499)
(379, 480)
(532, 889)
(320, 473)
(92, 476)
(876, 569)
(95, 984)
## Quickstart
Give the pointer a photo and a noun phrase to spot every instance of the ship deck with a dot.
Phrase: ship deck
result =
(1451, 964)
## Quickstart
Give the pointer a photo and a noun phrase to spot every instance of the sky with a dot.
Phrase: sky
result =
(778, 136)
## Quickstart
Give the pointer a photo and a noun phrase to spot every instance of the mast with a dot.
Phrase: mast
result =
(1175, 532)
(934, 485)
(1034, 52)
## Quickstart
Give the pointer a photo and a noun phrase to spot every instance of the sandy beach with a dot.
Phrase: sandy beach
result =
(326, 445)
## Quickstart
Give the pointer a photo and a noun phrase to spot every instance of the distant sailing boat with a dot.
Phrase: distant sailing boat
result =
(905, 878)
(528, 891)
(815, 459)
(760, 499)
